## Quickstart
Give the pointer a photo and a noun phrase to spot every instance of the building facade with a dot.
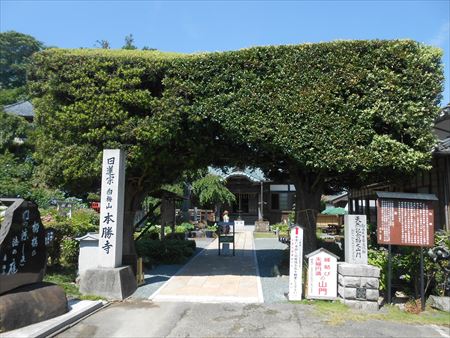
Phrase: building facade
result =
(258, 198)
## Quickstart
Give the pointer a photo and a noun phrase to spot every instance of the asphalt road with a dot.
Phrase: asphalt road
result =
(139, 318)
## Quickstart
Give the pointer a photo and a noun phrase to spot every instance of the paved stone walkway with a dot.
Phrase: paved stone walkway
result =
(210, 278)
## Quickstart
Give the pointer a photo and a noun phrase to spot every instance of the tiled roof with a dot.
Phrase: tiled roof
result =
(442, 131)
(444, 146)
(22, 108)
(254, 175)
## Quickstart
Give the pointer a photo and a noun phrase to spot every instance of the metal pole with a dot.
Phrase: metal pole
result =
(422, 289)
(218, 236)
(261, 203)
(234, 240)
(389, 276)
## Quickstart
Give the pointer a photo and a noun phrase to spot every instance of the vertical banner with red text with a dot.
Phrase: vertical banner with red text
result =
(295, 264)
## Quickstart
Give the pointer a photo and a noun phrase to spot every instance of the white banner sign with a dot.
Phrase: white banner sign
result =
(295, 264)
(355, 236)
(322, 275)
(112, 208)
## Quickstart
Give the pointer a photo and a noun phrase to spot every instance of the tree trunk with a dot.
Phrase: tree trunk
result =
(309, 189)
(134, 196)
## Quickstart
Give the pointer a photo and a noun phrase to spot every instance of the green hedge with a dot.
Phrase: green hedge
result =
(344, 106)
(168, 251)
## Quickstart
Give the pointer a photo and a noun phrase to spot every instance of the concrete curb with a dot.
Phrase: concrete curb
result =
(208, 299)
(258, 275)
(46, 328)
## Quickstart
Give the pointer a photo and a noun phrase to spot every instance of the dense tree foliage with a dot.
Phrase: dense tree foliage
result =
(314, 111)
(17, 164)
(14, 133)
(15, 51)
(211, 191)
(12, 95)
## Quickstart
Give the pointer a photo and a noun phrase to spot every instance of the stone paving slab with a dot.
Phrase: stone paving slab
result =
(210, 278)
(156, 277)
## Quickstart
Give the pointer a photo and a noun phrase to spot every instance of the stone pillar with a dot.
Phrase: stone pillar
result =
(112, 208)
(110, 279)
(261, 203)
(358, 285)
(355, 236)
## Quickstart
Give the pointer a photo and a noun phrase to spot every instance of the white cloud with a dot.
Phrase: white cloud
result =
(442, 36)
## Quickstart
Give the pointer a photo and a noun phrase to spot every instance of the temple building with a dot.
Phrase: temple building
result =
(257, 198)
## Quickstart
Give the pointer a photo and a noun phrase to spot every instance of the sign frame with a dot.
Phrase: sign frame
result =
(311, 279)
(398, 202)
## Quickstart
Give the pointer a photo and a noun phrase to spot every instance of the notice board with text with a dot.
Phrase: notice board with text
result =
(405, 219)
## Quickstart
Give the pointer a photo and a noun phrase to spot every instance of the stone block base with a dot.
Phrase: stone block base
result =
(351, 293)
(111, 283)
(358, 270)
(359, 282)
(358, 285)
(31, 304)
(262, 226)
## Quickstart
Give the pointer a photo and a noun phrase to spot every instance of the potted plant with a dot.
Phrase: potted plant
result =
(210, 230)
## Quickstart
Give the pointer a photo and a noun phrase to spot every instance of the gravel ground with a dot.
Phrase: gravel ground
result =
(157, 276)
(269, 252)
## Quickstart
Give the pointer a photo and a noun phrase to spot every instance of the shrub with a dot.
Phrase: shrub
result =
(64, 248)
(180, 229)
(93, 197)
(379, 259)
(168, 251)
(69, 251)
(188, 226)
(176, 235)
(406, 269)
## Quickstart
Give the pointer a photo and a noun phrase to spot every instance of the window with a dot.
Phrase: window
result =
(284, 201)
(280, 201)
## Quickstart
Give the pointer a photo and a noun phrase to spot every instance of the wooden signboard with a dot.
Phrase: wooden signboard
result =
(405, 219)
(322, 275)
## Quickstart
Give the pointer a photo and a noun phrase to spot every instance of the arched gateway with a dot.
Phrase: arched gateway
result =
(325, 114)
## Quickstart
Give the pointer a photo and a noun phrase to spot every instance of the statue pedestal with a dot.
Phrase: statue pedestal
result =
(111, 283)
(262, 226)
(31, 304)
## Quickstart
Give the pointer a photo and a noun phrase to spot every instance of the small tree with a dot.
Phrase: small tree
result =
(211, 190)
(129, 42)
(103, 44)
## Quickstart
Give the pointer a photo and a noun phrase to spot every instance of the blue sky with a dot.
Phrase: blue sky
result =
(187, 26)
